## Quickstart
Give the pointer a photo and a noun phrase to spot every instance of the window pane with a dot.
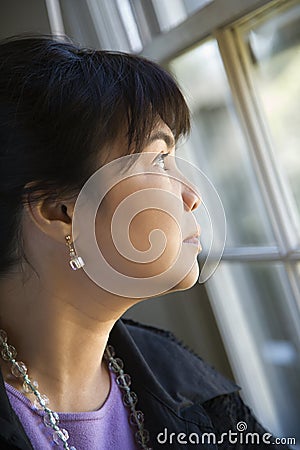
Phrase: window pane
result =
(194, 5)
(217, 145)
(169, 18)
(274, 49)
(254, 299)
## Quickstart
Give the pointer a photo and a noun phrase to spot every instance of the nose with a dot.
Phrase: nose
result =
(190, 197)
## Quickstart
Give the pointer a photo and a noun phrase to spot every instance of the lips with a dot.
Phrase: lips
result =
(194, 238)
(194, 241)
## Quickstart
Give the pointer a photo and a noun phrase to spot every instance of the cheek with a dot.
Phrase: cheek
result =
(143, 242)
(162, 226)
(139, 253)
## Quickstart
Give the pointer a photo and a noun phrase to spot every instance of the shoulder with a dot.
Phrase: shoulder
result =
(174, 364)
(187, 377)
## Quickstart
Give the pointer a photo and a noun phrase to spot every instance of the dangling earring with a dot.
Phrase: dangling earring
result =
(76, 262)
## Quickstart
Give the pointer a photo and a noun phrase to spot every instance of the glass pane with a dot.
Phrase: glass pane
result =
(274, 49)
(217, 145)
(170, 13)
(262, 297)
(194, 5)
(130, 25)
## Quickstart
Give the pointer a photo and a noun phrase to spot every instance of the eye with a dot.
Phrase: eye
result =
(160, 160)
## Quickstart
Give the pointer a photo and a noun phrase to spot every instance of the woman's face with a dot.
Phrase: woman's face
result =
(160, 200)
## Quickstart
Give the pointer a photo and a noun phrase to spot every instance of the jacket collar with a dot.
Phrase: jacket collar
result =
(146, 352)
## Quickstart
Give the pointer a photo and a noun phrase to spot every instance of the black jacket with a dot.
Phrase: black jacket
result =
(177, 391)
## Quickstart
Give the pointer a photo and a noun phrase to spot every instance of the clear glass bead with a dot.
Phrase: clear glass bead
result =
(27, 389)
(18, 369)
(136, 418)
(109, 352)
(73, 448)
(41, 402)
(8, 352)
(124, 381)
(115, 365)
(142, 436)
(51, 419)
(76, 262)
(3, 337)
(60, 436)
(130, 399)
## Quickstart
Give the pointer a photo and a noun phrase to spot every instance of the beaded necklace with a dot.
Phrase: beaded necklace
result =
(51, 418)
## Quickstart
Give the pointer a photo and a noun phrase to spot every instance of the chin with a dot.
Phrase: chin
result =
(189, 280)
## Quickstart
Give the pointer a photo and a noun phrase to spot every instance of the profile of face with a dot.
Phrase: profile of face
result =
(144, 227)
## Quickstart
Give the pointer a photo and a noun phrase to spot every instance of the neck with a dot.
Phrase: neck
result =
(61, 343)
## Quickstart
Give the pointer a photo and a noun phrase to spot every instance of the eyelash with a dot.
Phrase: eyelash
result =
(161, 159)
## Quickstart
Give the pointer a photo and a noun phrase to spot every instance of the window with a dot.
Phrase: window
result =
(243, 89)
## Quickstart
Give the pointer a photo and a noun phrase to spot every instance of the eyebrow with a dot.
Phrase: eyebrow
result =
(161, 135)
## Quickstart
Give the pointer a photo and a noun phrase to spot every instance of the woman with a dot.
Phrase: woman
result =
(67, 113)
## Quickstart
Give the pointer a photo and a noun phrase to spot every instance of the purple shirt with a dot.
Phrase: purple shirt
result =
(106, 428)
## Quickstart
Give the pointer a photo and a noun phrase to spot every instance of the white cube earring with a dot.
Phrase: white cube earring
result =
(76, 262)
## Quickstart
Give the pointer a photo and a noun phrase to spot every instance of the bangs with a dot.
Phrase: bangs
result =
(139, 95)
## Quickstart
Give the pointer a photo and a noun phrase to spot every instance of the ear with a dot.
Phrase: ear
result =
(52, 217)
